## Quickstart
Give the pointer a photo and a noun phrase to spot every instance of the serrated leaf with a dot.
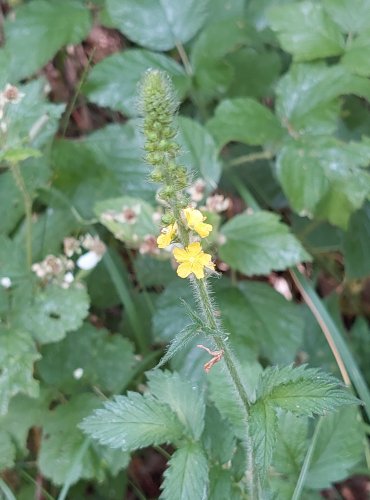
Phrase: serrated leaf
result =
(353, 16)
(133, 230)
(263, 432)
(304, 391)
(291, 445)
(178, 343)
(158, 25)
(62, 442)
(43, 27)
(338, 449)
(187, 475)
(153, 272)
(53, 312)
(133, 421)
(106, 361)
(307, 96)
(217, 437)
(324, 177)
(259, 243)
(199, 151)
(244, 120)
(257, 313)
(113, 82)
(17, 355)
(185, 398)
(306, 31)
(356, 243)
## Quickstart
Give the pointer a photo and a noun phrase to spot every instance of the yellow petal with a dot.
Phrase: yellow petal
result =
(203, 229)
(184, 269)
(198, 270)
(164, 240)
(205, 259)
(193, 249)
(180, 254)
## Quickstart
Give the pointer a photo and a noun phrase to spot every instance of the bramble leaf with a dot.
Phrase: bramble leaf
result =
(158, 25)
(106, 87)
(259, 243)
(244, 120)
(306, 31)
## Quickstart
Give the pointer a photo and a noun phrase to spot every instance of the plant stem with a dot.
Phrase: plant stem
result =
(231, 365)
(250, 158)
(307, 461)
(27, 201)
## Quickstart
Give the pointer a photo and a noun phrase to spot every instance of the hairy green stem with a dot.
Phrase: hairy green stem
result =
(231, 365)
(27, 202)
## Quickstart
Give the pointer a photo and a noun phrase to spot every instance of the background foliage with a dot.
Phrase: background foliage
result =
(274, 116)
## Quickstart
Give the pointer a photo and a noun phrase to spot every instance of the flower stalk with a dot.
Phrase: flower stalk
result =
(184, 227)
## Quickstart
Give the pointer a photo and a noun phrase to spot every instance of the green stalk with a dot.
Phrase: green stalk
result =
(231, 365)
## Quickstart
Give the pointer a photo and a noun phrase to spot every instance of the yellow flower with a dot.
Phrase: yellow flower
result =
(168, 234)
(192, 259)
(195, 221)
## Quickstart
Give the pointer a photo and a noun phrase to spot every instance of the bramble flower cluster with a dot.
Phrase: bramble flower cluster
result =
(182, 224)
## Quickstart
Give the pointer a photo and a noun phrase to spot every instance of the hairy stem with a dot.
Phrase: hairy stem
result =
(232, 368)
(27, 202)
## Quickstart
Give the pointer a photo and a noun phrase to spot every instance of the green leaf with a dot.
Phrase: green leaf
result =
(356, 244)
(133, 421)
(291, 445)
(217, 438)
(106, 87)
(17, 356)
(94, 351)
(263, 423)
(303, 391)
(60, 458)
(306, 31)
(153, 272)
(33, 120)
(8, 451)
(131, 228)
(53, 312)
(105, 164)
(187, 475)
(256, 312)
(19, 154)
(158, 25)
(244, 120)
(43, 27)
(339, 448)
(259, 243)
(183, 397)
(323, 177)
(356, 57)
(213, 74)
(222, 485)
(179, 342)
(170, 316)
(353, 16)
(307, 96)
(199, 151)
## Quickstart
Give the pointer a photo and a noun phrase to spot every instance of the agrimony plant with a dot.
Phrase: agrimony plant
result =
(171, 411)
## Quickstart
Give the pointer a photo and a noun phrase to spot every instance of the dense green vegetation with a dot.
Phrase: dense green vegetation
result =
(271, 143)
